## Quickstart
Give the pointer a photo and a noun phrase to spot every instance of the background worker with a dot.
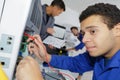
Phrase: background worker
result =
(49, 12)
(75, 32)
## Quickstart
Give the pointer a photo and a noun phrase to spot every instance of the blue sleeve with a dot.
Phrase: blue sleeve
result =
(79, 46)
(80, 37)
(79, 64)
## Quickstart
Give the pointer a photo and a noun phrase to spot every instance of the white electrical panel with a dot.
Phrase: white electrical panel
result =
(13, 17)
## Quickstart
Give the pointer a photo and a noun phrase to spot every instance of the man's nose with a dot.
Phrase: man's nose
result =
(86, 38)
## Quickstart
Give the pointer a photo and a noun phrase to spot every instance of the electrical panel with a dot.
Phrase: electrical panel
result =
(13, 17)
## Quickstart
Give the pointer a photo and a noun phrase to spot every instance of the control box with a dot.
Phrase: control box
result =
(13, 18)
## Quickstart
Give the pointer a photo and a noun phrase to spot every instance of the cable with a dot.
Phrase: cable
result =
(47, 59)
(60, 72)
(52, 77)
(56, 70)
(29, 36)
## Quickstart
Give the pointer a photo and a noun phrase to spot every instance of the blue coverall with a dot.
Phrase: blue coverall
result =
(84, 62)
(81, 45)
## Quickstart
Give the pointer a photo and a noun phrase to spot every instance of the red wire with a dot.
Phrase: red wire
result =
(60, 72)
(52, 68)
(28, 35)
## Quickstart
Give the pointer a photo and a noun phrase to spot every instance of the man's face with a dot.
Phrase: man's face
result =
(56, 11)
(98, 39)
(75, 32)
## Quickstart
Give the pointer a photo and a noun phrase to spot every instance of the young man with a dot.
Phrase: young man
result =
(75, 32)
(100, 25)
(49, 12)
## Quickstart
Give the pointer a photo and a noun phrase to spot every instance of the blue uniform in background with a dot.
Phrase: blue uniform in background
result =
(81, 45)
(103, 70)
(47, 22)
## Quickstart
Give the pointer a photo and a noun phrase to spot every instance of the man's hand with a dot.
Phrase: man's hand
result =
(50, 31)
(70, 49)
(38, 48)
(28, 69)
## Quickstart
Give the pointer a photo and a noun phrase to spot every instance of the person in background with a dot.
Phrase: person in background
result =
(76, 32)
(100, 27)
(49, 12)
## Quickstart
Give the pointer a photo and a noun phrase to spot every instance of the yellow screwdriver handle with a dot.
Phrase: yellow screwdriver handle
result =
(3, 76)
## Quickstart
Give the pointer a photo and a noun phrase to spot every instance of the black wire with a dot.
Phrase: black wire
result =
(52, 76)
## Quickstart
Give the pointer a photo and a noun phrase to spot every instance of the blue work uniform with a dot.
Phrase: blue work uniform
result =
(84, 62)
(47, 22)
(81, 45)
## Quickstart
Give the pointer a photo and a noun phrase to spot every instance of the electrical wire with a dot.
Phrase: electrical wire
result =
(52, 76)
(56, 70)
(48, 60)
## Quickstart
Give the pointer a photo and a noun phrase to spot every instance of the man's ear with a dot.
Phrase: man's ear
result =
(117, 30)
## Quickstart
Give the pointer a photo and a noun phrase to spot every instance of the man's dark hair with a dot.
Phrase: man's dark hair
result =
(73, 28)
(58, 3)
(109, 13)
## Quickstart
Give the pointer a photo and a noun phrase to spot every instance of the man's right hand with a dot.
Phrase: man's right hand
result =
(38, 48)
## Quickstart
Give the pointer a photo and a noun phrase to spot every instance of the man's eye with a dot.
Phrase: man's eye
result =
(92, 31)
